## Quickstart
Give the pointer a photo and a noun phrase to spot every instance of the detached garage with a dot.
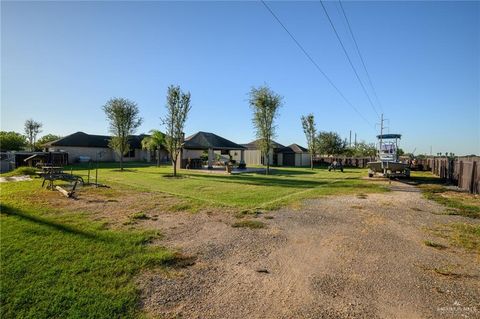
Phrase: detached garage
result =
(293, 155)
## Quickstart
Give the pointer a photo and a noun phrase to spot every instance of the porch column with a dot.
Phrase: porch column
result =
(242, 156)
(211, 156)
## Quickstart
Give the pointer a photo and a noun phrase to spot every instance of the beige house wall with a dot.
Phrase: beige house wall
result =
(253, 157)
(107, 154)
(140, 155)
(75, 152)
(302, 159)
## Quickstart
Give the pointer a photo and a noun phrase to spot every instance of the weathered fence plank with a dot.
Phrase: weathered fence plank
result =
(460, 171)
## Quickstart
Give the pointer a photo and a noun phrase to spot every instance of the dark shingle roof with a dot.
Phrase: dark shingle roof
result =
(253, 145)
(81, 139)
(293, 148)
(205, 140)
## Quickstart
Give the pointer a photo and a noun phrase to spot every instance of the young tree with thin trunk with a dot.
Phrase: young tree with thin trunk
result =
(178, 106)
(124, 119)
(32, 128)
(265, 104)
(310, 130)
(154, 142)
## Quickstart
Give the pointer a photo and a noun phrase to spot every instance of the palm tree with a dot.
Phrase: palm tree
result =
(154, 142)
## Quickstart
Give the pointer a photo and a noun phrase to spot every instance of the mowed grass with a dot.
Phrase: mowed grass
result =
(243, 191)
(56, 264)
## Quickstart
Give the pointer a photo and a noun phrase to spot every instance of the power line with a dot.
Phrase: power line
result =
(315, 63)
(361, 57)
(348, 58)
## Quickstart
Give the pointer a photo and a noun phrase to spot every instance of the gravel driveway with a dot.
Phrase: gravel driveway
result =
(335, 257)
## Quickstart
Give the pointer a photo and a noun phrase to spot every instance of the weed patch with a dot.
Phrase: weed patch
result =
(463, 235)
(253, 224)
(430, 243)
(457, 203)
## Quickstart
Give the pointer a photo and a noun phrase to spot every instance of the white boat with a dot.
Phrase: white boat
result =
(387, 163)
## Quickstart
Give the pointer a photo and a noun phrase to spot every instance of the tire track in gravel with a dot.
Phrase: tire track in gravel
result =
(337, 257)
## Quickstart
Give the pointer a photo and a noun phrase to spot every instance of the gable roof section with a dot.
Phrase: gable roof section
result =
(81, 139)
(253, 145)
(293, 148)
(205, 140)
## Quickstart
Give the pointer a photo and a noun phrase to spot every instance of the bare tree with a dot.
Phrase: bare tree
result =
(32, 128)
(310, 130)
(265, 104)
(124, 119)
(178, 106)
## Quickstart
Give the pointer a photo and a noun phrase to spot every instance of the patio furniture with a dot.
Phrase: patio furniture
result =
(54, 173)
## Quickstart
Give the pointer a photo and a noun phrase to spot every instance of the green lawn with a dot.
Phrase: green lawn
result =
(58, 263)
(244, 191)
(457, 202)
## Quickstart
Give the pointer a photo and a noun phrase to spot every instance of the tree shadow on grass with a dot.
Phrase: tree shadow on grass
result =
(258, 180)
(420, 180)
(108, 165)
(126, 170)
(15, 212)
(285, 172)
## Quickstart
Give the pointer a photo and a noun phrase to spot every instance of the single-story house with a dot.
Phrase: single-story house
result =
(194, 146)
(253, 155)
(81, 146)
(293, 155)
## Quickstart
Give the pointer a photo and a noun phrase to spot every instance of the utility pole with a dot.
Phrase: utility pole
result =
(355, 139)
(381, 133)
(350, 140)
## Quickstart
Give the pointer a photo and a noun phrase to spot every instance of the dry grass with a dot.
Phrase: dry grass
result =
(253, 224)
(430, 243)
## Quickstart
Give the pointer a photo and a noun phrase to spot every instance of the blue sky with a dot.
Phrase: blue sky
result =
(61, 61)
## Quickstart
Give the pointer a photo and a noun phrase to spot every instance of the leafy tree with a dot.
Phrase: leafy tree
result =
(330, 143)
(400, 152)
(310, 130)
(265, 104)
(349, 151)
(178, 106)
(32, 128)
(47, 138)
(154, 142)
(124, 119)
(12, 141)
(363, 149)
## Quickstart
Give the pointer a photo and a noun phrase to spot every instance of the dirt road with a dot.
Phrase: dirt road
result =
(336, 257)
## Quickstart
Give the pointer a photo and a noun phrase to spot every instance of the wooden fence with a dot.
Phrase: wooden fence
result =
(346, 161)
(460, 171)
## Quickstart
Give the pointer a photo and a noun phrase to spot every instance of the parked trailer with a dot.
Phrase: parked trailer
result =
(387, 163)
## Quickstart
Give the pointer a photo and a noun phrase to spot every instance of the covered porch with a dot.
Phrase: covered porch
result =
(208, 150)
